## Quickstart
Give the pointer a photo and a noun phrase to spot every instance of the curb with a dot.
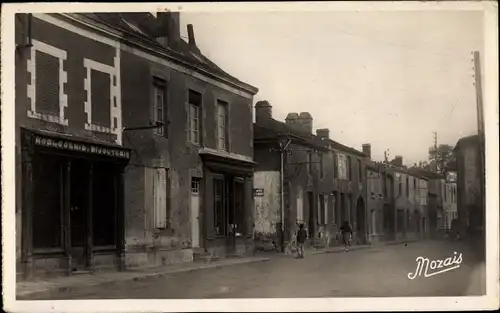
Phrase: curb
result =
(51, 292)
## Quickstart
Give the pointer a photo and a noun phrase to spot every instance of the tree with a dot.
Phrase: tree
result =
(440, 158)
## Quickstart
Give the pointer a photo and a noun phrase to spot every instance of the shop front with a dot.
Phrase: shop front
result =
(227, 205)
(72, 205)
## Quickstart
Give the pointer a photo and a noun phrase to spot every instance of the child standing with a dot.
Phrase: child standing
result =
(301, 239)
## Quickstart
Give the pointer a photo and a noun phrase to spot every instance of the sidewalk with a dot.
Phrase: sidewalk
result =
(60, 285)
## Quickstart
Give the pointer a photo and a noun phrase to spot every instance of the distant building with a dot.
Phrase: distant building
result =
(470, 172)
(323, 181)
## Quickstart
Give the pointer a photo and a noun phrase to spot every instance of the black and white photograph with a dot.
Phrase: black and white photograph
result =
(294, 156)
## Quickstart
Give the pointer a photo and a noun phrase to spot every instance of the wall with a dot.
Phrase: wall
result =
(71, 75)
(267, 208)
(172, 150)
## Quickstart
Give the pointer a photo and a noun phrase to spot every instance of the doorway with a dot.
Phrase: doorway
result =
(79, 209)
(361, 221)
(195, 212)
(312, 223)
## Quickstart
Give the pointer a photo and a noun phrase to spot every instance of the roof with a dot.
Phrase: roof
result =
(271, 128)
(141, 26)
(469, 140)
(425, 173)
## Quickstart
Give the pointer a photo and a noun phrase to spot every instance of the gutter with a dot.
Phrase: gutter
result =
(118, 35)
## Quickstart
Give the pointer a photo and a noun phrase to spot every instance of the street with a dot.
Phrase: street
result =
(375, 272)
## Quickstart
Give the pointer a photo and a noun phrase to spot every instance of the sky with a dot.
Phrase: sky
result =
(389, 78)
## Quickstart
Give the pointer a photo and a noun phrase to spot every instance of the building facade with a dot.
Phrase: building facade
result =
(470, 173)
(70, 160)
(323, 181)
(143, 136)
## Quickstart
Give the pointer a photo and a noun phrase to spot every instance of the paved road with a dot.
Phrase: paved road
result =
(381, 272)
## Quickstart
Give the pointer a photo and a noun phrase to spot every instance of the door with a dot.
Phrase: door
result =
(195, 213)
(79, 206)
(312, 211)
(230, 218)
(239, 208)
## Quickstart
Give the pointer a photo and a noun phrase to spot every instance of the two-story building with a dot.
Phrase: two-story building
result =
(133, 143)
(450, 200)
(410, 192)
(323, 181)
(70, 159)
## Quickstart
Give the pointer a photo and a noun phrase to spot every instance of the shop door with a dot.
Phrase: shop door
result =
(230, 219)
(79, 207)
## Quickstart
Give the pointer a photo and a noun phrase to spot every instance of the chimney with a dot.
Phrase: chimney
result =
(292, 119)
(263, 111)
(168, 28)
(306, 121)
(398, 161)
(367, 149)
(191, 39)
(323, 133)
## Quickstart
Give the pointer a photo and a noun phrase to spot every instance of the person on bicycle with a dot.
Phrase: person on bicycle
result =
(346, 230)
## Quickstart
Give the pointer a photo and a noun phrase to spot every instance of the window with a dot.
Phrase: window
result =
(160, 198)
(342, 166)
(46, 91)
(222, 123)
(349, 167)
(407, 186)
(335, 167)
(195, 117)
(219, 203)
(400, 187)
(195, 186)
(300, 206)
(321, 173)
(159, 106)
(322, 207)
(360, 171)
(309, 163)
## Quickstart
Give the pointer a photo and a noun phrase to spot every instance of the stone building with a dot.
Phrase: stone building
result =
(143, 136)
(323, 181)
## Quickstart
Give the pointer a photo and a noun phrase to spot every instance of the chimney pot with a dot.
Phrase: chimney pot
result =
(191, 39)
(306, 122)
(323, 133)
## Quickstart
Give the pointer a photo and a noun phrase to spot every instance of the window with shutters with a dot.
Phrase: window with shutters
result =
(161, 201)
(349, 167)
(222, 125)
(102, 104)
(335, 166)
(46, 89)
(195, 103)
(159, 106)
(360, 171)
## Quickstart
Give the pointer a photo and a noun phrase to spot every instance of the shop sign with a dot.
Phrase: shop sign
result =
(258, 192)
(81, 147)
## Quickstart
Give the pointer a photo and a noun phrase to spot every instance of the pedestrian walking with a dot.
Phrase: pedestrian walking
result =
(301, 239)
(346, 230)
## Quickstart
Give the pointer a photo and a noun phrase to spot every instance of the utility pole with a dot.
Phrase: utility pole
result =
(436, 154)
(480, 128)
(283, 150)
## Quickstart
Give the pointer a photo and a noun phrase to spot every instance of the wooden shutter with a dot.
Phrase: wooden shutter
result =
(160, 193)
(325, 210)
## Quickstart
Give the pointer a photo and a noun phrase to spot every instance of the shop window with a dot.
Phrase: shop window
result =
(47, 202)
(219, 203)
(104, 198)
